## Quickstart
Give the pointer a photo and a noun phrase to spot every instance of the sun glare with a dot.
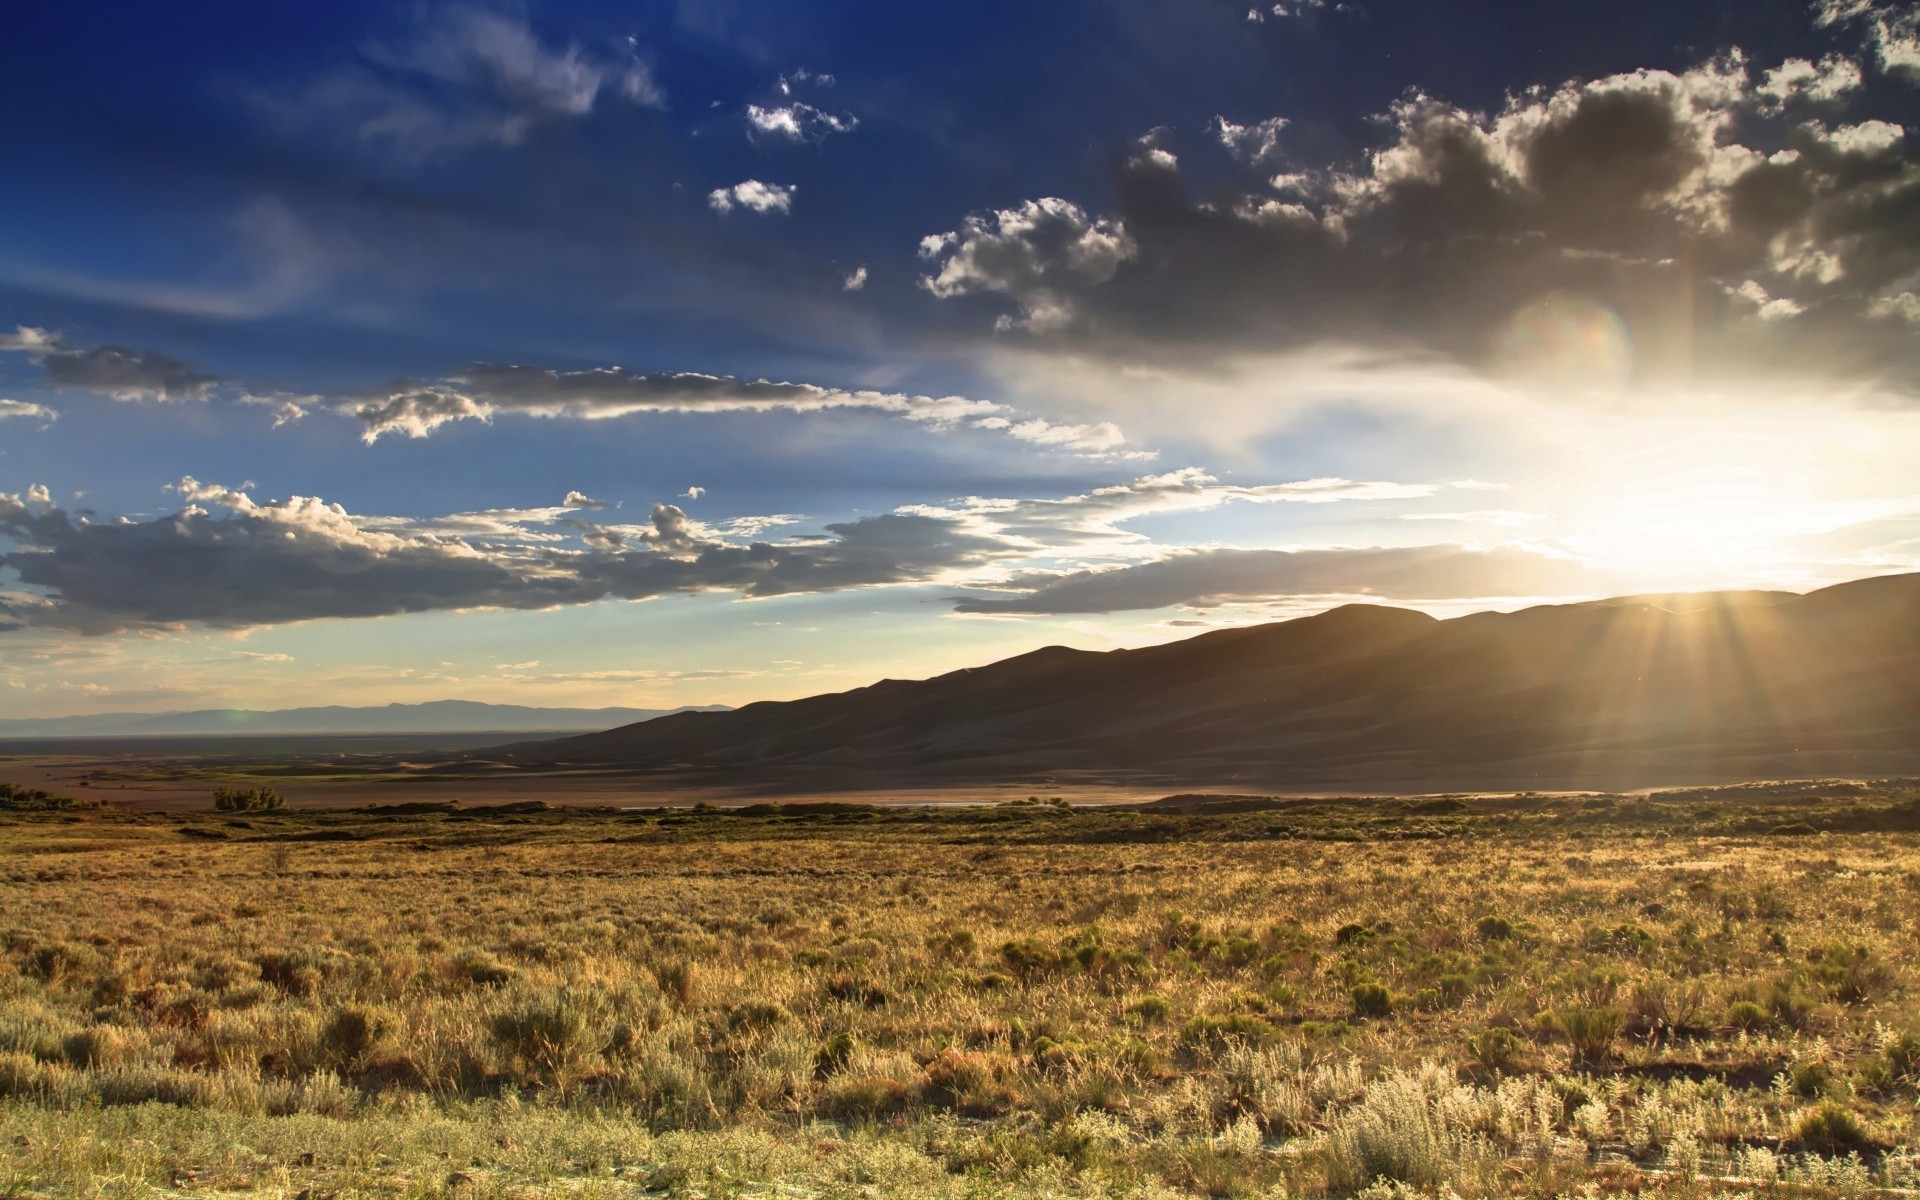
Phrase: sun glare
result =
(1675, 505)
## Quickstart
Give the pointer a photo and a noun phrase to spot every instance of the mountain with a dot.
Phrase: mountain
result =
(1638, 689)
(438, 716)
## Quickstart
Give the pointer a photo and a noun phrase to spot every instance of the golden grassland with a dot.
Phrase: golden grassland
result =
(1686, 994)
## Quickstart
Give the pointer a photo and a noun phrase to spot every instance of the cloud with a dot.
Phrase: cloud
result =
(1798, 80)
(1205, 578)
(1250, 143)
(753, 195)
(694, 493)
(113, 371)
(1039, 253)
(1093, 519)
(797, 122)
(1535, 240)
(35, 343)
(21, 408)
(305, 559)
(581, 500)
(855, 280)
(1892, 29)
(464, 77)
(486, 389)
(226, 560)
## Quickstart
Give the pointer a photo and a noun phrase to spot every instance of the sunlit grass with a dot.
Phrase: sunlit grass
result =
(1485, 995)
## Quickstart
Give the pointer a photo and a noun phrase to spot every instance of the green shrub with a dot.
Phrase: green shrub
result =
(1493, 929)
(832, 1054)
(1590, 1031)
(1149, 1010)
(1372, 1000)
(14, 798)
(1749, 1016)
(1496, 1049)
(1216, 1032)
(1829, 1128)
(254, 799)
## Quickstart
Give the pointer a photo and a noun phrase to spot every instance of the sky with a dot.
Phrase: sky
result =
(716, 351)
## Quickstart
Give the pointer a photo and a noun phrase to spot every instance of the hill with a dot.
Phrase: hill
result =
(1641, 688)
(438, 716)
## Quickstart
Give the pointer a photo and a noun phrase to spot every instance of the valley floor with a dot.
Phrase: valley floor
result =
(1687, 993)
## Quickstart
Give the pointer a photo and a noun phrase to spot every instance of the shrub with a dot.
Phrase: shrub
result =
(254, 799)
(965, 1083)
(1590, 1031)
(1495, 1049)
(1849, 973)
(545, 1038)
(1747, 1015)
(1828, 1128)
(865, 1097)
(481, 968)
(1372, 1000)
(14, 798)
(1149, 1010)
(832, 1054)
(1217, 1032)
(350, 1035)
(295, 972)
(1405, 1130)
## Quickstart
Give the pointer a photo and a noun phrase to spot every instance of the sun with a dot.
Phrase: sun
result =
(1676, 506)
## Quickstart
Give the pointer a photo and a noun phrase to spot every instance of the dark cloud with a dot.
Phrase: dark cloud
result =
(112, 371)
(304, 559)
(128, 374)
(1632, 194)
(1203, 578)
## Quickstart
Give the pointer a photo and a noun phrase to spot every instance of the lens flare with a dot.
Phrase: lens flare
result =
(1565, 341)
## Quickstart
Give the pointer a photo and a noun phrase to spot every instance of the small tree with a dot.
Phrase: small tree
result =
(257, 799)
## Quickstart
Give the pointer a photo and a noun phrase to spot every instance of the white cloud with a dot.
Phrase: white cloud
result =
(1798, 79)
(21, 408)
(694, 493)
(1768, 308)
(797, 122)
(1019, 251)
(753, 195)
(1250, 143)
(32, 342)
(486, 389)
(581, 500)
(1892, 29)
(856, 280)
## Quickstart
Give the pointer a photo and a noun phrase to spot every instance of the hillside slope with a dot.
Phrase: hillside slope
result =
(1665, 688)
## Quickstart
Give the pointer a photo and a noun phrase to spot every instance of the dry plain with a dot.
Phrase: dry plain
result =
(1683, 993)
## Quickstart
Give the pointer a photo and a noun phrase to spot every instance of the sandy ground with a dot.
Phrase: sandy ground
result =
(160, 778)
(177, 775)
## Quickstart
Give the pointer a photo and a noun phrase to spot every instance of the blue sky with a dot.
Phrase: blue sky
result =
(717, 351)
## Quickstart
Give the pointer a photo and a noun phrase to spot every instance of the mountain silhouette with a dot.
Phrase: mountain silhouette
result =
(1622, 692)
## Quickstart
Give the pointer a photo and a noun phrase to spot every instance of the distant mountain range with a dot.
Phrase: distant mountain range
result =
(1640, 689)
(438, 716)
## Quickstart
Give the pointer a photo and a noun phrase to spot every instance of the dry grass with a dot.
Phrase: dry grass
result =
(1521, 997)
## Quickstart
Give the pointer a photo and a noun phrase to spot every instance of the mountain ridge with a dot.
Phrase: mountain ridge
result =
(1669, 687)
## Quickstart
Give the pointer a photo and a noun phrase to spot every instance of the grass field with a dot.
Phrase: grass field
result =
(1690, 993)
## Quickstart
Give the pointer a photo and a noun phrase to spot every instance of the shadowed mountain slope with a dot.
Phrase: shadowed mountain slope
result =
(1634, 689)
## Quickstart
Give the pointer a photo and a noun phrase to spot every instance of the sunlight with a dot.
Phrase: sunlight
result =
(1684, 501)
